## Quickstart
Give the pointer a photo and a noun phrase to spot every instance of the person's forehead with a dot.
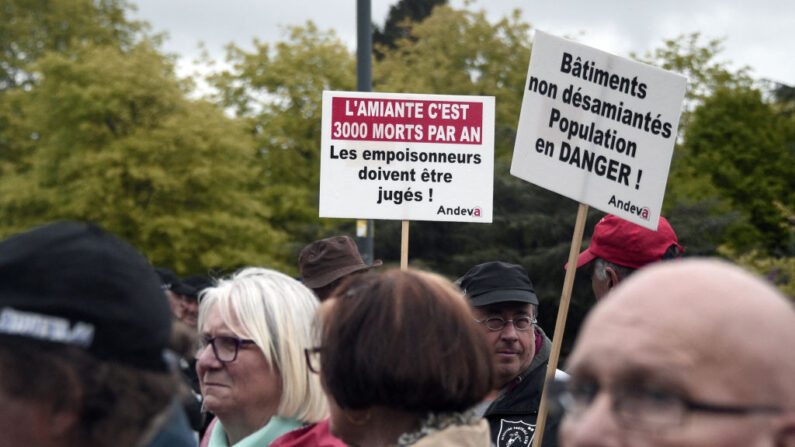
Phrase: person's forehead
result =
(505, 307)
(683, 318)
(216, 325)
(624, 348)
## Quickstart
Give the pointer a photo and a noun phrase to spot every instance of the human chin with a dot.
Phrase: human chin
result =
(215, 394)
(507, 370)
(216, 401)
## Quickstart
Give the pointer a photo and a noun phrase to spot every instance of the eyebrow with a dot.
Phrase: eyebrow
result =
(224, 333)
(495, 312)
(638, 374)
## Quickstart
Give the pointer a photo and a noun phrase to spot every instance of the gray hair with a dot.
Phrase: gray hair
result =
(600, 264)
(600, 269)
(277, 312)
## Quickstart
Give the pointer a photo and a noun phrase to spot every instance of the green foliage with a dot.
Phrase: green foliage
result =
(278, 90)
(736, 146)
(697, 60)
(461, 52)
(95, 126)
(785, 97)
(778, 270)
(30, 28)
(733, 160)
(398, 22)
(116, 142)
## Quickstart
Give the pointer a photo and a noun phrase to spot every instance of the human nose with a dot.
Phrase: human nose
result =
(206, 359)
(509, 331)
(595, 426)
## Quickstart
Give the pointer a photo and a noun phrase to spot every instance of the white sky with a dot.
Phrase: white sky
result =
(760, 34)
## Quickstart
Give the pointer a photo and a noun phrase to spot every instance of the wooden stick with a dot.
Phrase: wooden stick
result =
(404, 246)
(560, 324)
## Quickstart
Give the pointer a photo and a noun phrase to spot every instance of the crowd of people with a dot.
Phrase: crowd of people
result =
(98, 348)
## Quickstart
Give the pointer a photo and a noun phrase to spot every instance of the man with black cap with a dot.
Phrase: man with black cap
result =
(169, 281)
(185, 338)
(83, 336)
(325, 262)
(505, 305)
(619, 247)
(188, 290)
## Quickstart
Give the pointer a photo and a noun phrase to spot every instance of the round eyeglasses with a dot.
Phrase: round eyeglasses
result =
(225, 347)
(640, 407)
(498, 323)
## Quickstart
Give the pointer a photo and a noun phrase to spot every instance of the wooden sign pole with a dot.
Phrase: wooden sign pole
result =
(404, 246)
(560, 324)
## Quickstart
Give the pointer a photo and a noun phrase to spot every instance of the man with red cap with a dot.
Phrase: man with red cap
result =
(619, 247)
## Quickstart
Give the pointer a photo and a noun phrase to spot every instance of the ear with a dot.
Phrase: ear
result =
(612, 277)
(51, 427)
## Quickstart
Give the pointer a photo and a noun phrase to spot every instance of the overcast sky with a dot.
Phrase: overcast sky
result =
(760, 33)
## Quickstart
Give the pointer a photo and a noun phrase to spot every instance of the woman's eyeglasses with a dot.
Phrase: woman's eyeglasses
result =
(313, 359)
(225, 347)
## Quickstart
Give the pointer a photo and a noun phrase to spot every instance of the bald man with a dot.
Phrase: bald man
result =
(695, 353)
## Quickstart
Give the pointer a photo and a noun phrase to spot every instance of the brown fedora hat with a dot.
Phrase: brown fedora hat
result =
(327, 260)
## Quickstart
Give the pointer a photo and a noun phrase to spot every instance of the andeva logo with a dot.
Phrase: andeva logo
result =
(458, 211)
(642, 212)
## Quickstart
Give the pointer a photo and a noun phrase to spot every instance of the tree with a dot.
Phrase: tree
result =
(398, 22)
(720, 189)
(783, 96)
(113, 140)
(461, 52)
(277, 91)
(31, 28)
(704, 216)
(737, 145)
(696, 60)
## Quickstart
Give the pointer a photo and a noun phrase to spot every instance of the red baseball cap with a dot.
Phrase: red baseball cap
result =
(625, 243)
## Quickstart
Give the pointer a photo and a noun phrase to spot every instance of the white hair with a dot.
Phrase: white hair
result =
(600, 269)
(277, 312)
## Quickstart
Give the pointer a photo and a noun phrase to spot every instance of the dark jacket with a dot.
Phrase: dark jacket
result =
(173, 430)
(512, 416)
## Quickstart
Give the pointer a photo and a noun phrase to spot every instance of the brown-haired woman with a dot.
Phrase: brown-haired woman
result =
(402, 362)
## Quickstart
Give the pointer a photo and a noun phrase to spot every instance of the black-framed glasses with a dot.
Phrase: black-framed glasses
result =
(312, 356)
(225, 347)
(640, 407)
(498, 323)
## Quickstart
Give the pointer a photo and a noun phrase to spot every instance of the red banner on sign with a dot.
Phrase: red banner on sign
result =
(420, 121)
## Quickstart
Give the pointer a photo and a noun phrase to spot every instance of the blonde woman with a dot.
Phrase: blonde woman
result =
(253, 327)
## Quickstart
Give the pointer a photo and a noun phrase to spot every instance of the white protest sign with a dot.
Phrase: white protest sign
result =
(598, 128)
(407, 156)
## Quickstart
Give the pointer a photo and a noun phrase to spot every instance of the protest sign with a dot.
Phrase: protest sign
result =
(407, 156)
(598, 128)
